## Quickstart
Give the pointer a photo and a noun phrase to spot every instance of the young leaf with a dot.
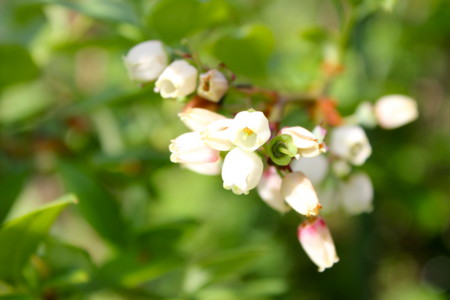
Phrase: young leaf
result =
(21, 236)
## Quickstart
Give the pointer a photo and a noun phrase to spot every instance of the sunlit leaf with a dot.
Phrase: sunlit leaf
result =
(22, 236)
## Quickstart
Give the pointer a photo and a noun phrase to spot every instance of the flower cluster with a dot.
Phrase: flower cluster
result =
(287, 166)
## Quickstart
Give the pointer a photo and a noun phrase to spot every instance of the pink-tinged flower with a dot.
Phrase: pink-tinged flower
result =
(299, 193)
(241, 171)
(213, 85)
(307, 144)
(197, 119)
(189, 148)
(146, 61)
(217, 135)
(269, 189)
(317, 242)
(393, 111)
(357, 194)
(250, 130)
(213, 168)
(350, 143)
(179, 79)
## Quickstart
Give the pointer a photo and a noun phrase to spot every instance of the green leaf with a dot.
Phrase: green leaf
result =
(21, 236)
(96, 205)
(247, 52)
(173, 19)
(10, 187)
(281, 149)
(17, 65)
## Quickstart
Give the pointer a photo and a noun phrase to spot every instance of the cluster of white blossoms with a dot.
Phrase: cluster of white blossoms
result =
(286, 166)
(148, 61)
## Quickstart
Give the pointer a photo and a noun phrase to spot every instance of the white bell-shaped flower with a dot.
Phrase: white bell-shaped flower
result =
(304, 140)
(189, 148)
(250, 130)
(269, 189)
(213, 85)
(299, 193)
(350, 143)
(217, 135)
(356, 194)
(241, 171)
(315, 168)
(146, 61)
(316, 240)
(179, 79)
(213, 168)
(197, 119)
(393, 111)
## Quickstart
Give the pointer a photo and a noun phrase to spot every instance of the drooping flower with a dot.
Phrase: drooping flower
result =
(241, 171)
(356, 194)
(213, 85)
(393, 111)
(250, 130)
(146, 61)
(217, 135)
(213, 168)
(197, 119)
(315, 168)
(269, 189)
(299, 193)
(350, 143)
(179, 79)
(304, 140)
(316, 240)
(189, 148)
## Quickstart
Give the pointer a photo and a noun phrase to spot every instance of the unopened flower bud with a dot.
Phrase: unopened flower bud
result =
(241, 171)
(197, 119)
(304, 140)
(393, 111)
(213, 168)
(213, 85)
(315, 168)
(299, 193)
(250, 130)
(179, 79)
(350, 143)
(357, 194)
(217, 135)
(316, 240)
(269, 189)
(146, 61)
(189, 148)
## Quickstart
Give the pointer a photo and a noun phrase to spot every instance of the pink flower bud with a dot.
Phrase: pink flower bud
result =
(189, 148)
(299, 193)
(317, 242)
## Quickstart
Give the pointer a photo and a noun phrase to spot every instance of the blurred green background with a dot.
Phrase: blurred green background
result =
(72, 122)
